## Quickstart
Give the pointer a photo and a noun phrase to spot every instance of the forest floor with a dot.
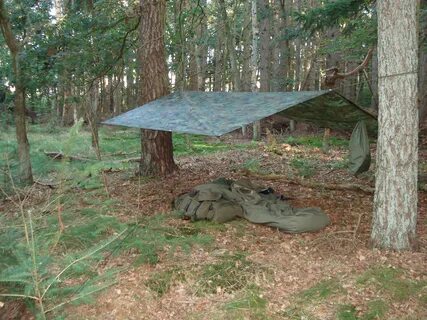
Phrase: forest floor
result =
(169, 268)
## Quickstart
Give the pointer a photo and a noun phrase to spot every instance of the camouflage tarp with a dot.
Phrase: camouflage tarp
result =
(217, 113)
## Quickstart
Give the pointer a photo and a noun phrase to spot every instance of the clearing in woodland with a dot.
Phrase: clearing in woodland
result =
(107, 244)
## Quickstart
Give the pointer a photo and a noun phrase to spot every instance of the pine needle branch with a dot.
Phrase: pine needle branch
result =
(80, 259)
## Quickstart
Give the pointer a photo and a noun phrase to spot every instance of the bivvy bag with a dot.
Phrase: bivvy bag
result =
(223, 200)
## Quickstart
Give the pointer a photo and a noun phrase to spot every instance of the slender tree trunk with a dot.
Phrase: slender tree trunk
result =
(265, 52)
(231, 44)
(68, 108)
(25, 170)
(281, 48)
(246, 54)
(111, 94)
(298, 54)
(157, 148)
(374, 80)
(219, 54)
(180, 57)
(193, 77)
(201, 50)
(256, 135)
(129, 89)
(395, 200)
(93, 106)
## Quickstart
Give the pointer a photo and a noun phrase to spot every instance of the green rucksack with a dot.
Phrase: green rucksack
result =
(207, 202)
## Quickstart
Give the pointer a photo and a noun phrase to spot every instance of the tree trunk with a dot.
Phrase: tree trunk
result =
(201, 50)
(423, 64)
(68, 108)
(254, 64)
(298, 55)
(219, 54)
(246, 54)
(111, 94)
(374, 80)
(25, 171)
(231, 44)
(156, 146)
(129, 89)
(265, 52)
(93, 106)
(395, 200)
(281, 48)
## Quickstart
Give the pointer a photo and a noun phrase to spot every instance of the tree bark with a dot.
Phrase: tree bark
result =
(156, 146)
(201, 49)
(395, 200)
(231, 44)
(246, 54)
(374, 80)
(423, 64)
(265, 51)
(219, 53)
(281, 48)
(256, 134)
(25, 170)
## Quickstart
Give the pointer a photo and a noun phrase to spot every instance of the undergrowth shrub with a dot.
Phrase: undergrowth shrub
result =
(56, 251)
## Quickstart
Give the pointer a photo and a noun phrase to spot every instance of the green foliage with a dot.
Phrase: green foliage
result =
(64, 264)
(249, 301)
(314, 141)
(392, 281)
(76, 141)
(332, 13)
(304, 167)
(153, 234)
(252, 165)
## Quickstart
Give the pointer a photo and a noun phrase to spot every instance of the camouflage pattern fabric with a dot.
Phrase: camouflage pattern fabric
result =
(217, 113)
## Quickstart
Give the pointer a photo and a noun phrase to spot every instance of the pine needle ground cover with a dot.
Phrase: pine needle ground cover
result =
(111, 246)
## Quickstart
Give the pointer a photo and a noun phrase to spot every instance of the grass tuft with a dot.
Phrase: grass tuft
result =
(322, 290)
(392, 281)
(161, 282)
(230, 274)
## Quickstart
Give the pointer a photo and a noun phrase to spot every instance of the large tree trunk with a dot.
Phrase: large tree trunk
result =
(423, 64)
(395, 200)
(157, 148)
(25, 171)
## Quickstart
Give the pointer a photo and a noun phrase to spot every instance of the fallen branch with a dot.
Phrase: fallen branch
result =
(137, 159)
(59, 156)
(316, 185)
(51, 185)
